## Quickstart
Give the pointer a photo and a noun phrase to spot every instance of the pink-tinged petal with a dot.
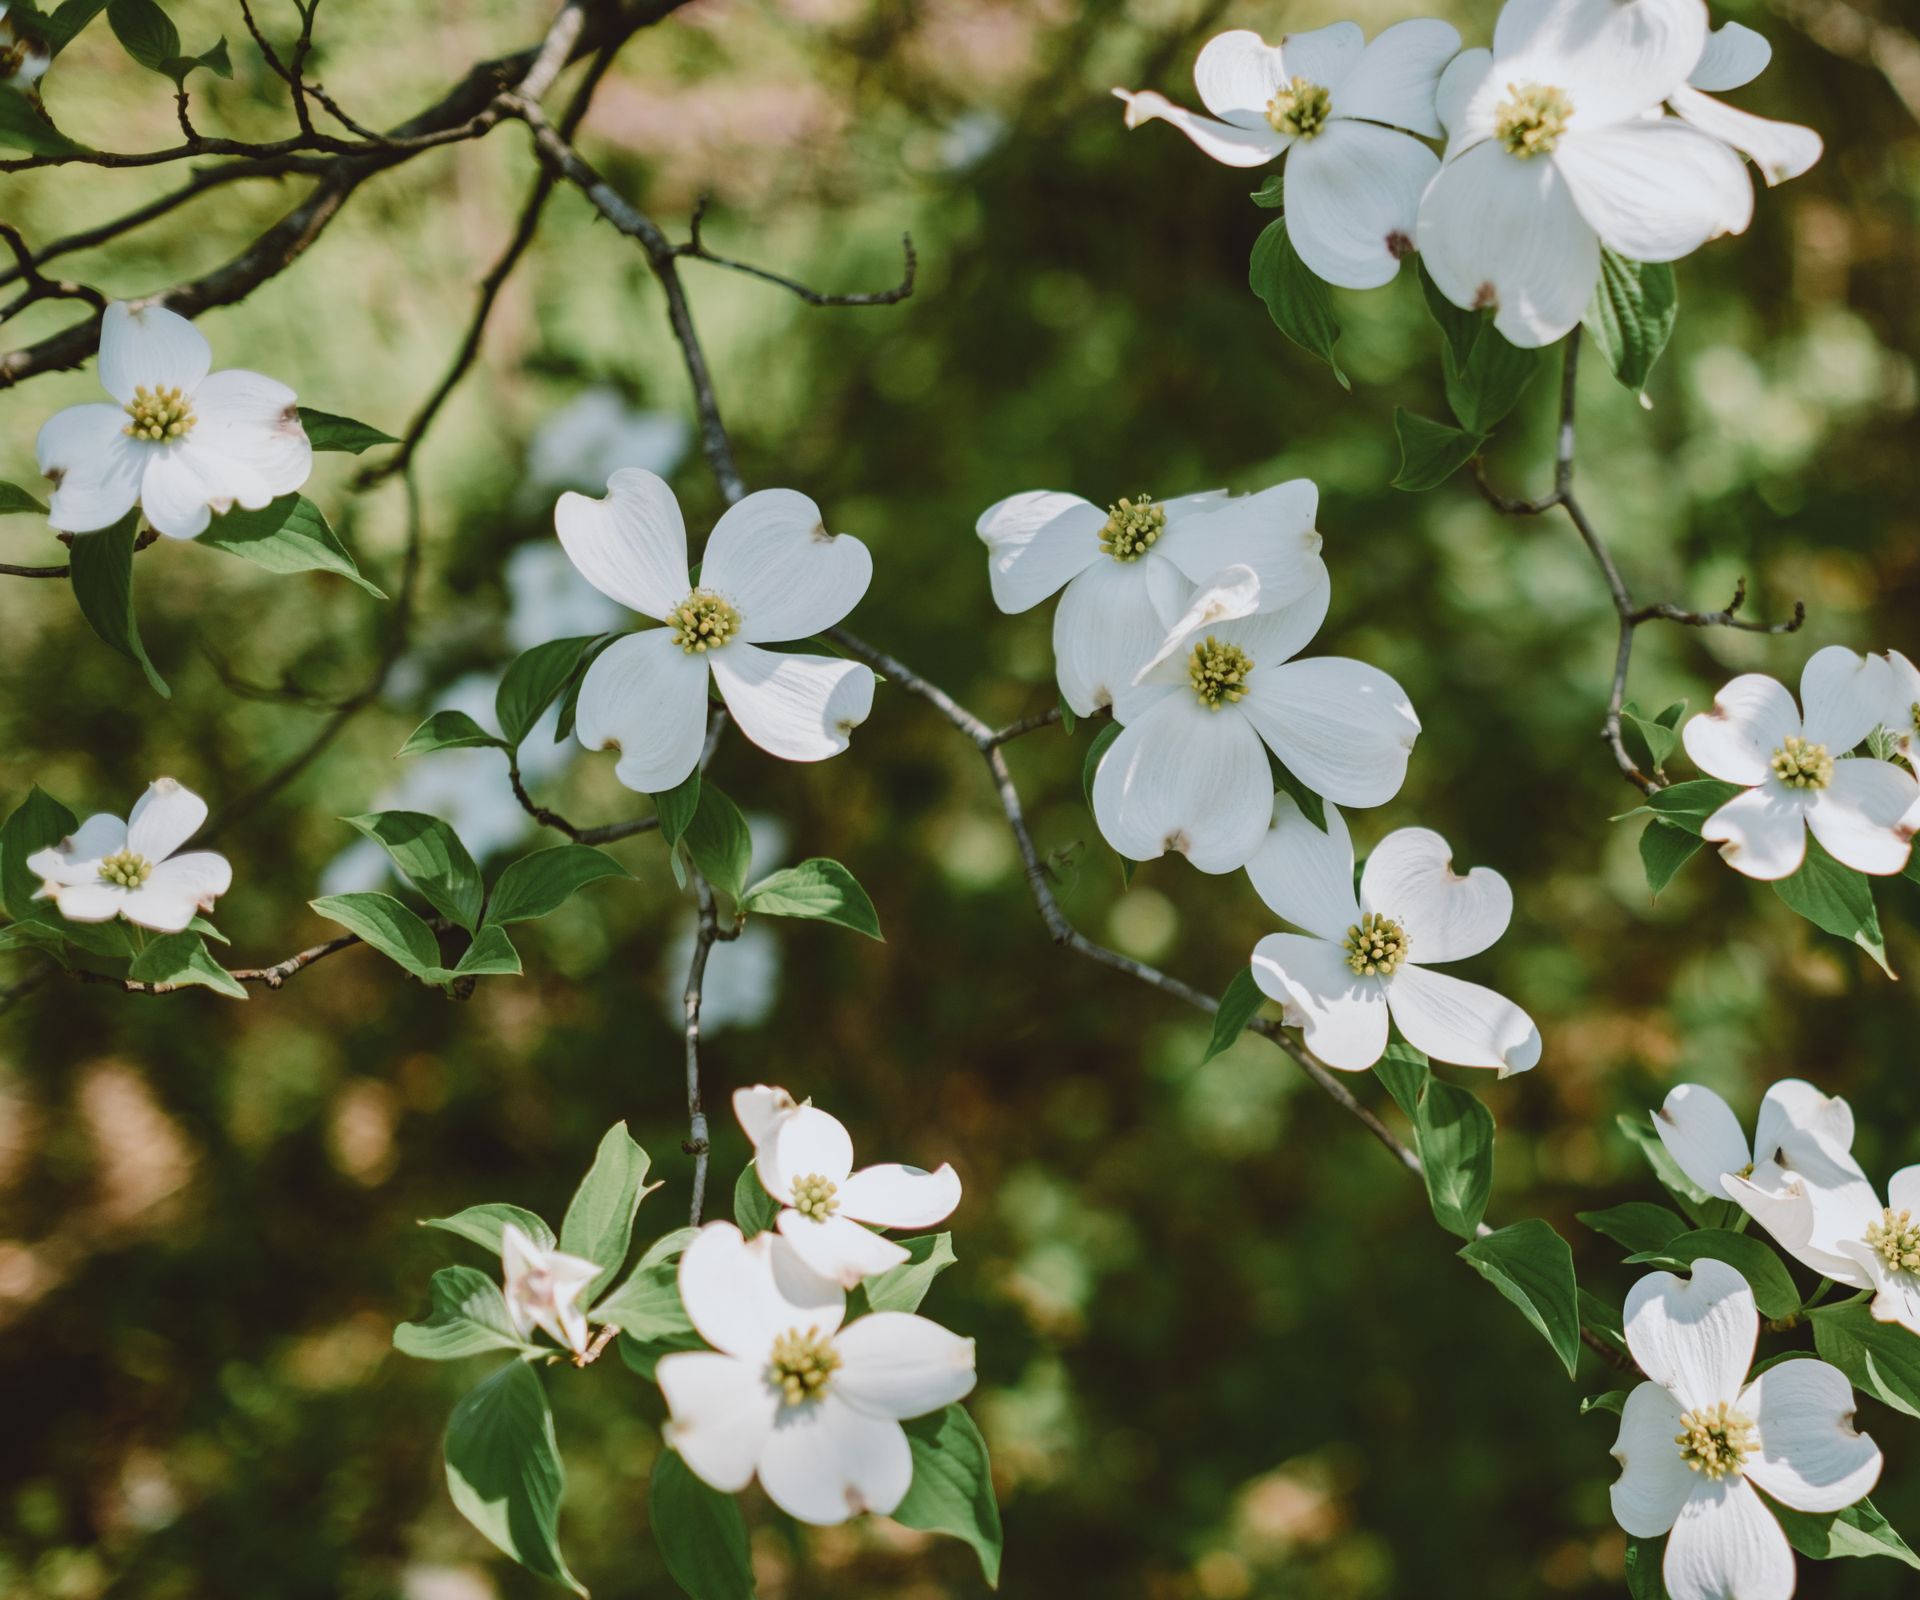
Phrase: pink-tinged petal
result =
(1271, 532)
(1035, 542)
(1342, 1016)
(1323, 55)
(893, 1195)
(1464, 1023)
(1306, 875)
(1185, 779)
(1781, 150)
(150, 347)
(809, 1143)
(1226, 143)
(1614, 61)
(797, 707)
(645, 698)
(1397, 77)
(1343, 728)
(1734, 56)
(1861, 816)
(1110, 620)
(759, 1109)
(1694, 1337)
(1735, 738)
(1844, 694)
(1654, 1480)
(1702, 1135)
(1809, 1455)
(198, 876)
(1656, 191)
(771, 555)
(1237, 73)
(742, 1294)
(164, 818)
(1726, 1545)
(176, 496)
(1353, 201)
(896, 1364)
(631, 544)
(95, 469)
(827, 1461)
(1446, 917)
(85, 902)
(839, 1249)
(723, 1413)
(1455, 92)
(252, 424)
(1762, 833)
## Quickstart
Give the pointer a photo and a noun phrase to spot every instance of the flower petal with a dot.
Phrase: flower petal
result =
(252, 424)
(899, 1365)
(1702, 1135)
(839, 1249)
(1763, 832)
(828, 1461)
(1343, 728)
(1397, 76)
(1306, 876)
(1725, 1542)
(1843, 695)
(1735, 738)
(1654, 1479)
(1353, 200)
(1110, 620)
(164, 818)
(1035, 542)
(893, 1195)
(1224, 141)
(723, 1412)
(1342, 1016)
(1860, 816)
(1455, 92)
(797, 707)
(156, 906)
(1813, 1130)
(1410, 878)
(149, 347)
(1614, 61)
(741, 1294)
(198, 876)
(1323, 55)
(759, 1108)
(1734, 55)
(1781, 150)
(771, 555)
(85, 902)
(809, 1143)
(631, 544)
(646, 698)
(1656, 191)
(94, 467)
(176, 495)
(1464, 1023)
(76, 859)
(1694, 1337)
(1809, 1455)
(1187, 779)
(1810, 1223)
(1271, 532)
(1237, 73)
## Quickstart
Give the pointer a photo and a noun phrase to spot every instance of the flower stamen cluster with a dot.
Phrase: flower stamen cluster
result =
(801, 1363)
(1801, 764)
(814, 1196)
(702, 622)
(160, 415)
(1896, 1238)
(1715, 1439)
(1299, 108)
(1132, 528)
(1376, 946)
(1218, 673)
(127, 868)
(1532, 119)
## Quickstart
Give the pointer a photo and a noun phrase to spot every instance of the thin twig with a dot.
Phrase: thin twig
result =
(695, 250)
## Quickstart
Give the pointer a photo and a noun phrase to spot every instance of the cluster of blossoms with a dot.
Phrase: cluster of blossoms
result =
(135, 869)
(1585, 125)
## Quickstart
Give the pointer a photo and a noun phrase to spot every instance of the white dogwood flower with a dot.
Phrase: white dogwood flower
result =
(178, 441)
(1363, 959)
(804, 1159)
(1551, 153)
(1900, 711)
(1189, 770)
(1697, 1440)
(1881, 1243)
(24, 57)
(1791, 766)
(1735, 56)
(543, 1288)
(772, 573)
(1343, 113)
(1130, 570)
(107, 868)
(788, 1394)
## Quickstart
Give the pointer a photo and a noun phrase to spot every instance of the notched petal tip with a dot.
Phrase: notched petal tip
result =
(1399, 245)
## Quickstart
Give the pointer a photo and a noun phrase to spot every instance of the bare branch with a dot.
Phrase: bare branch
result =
(695, 250)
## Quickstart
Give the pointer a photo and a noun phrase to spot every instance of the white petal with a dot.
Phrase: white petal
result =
(1323, 55)
(899, 1365)
(1353, 200)
(1498, 231)
(1237, 73)
(76, 859)
(150, 347)
(1900, 716)
(1229, 595)
(1342, 1016)
(1397, 76)
(1035, 542)
(723, 1413)
(1343, 728)
(176, 496)
(1859, 816)
(1734, 55)
(1464, 1023)
(1614, 61)
(1271, 532)
(742, 1294)
(1763, 832)
(94, 467)
(1805, 1221)
(808, 1144)
(827, 1461)
(1843, 695)
(631, 544)
(200, 877)
(1225, 142)
(253, 423)
(1814, 1130)
(1702, 1135)
(86, 902)
(1809, 1457)
(1903, 1189)
(1456, 89)
(1726, 1545)
(1656, 191)
(1186, 779)
(1110, 621)
(839, 1249)
(1447, 917)
(1306, 876)
(1694, 1337)
(164, 818)
(1781, 150)
(759, 1108)
(797, 707)
(1654, 1479)
(159, 907)
(1735, 738)
(892, 1195)
(646, 698)
(771, 555)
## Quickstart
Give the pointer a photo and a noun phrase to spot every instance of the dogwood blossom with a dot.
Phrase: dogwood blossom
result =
(1698, 1439)
(543, 1288)
(107, 868)
(1126, 573)
(1363, 959)
(1735, 56)
(1556, 146)
(1900, 711)
(1189, 769)
(24, 58)
(178, 441)
(788, 1394)
(1342, 113)
(772, 572)
(804, 1159)
(1792, 768)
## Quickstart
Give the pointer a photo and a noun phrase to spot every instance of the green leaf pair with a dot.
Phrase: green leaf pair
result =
(1453, 1133)
(148, 35)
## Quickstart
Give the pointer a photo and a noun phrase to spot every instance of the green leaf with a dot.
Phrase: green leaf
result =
(643, 1355)
(290, 535)
(484, 1224)
(1067, 718)
(389, 927)
(1688, 805)
(819, 889)
(1881, 1358)
(1860, 1530)
(1632, 315)
(148, 35)
(1403, 1070)
(490, 955)
(504, 1472)
(215, 60)
(183, 958)
(15, 499)
(1461, 328)
(1603, 1322)
(570, 700)
(1644, 1559)
(1703, 1208)
(101, 571)
(469, 1318)
(1488, 383)
(531, 682)
(647, 1306)
(1297, 301)
(447, 730)
(1614, 1400)
(599, 1221)
(1660, 735)
(1095, 751)
(902, 1288)
(1311, 805)
(700, 1531)
(1773, 1289)
(37, 823)
(1637, 1225)
(64, 25)
(952, 1488)
(1664, 850)
(1836, 899)
(24, 126)
(753, 1208)
(432, 857)
(675, 807)
(325, 431)
(1453, 1133)
(541, 883)
(1430, 452)
(718, 840)
(1236, 1009)
(1531, 1265)
(1271, 194)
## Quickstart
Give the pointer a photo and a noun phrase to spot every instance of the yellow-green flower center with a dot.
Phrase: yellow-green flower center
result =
(1531, 120)
(160, 415)
(1715, 1439)
(1913, 715)
(803, 1360)
(702, 622)
(1376, 945)
(1896, 1237)
(1132, 527)
(126, 869)
(1299, 108)
(813, 1196)
(1802, 765)
(1218, 673)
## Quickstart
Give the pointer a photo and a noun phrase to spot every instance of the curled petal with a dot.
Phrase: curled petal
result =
(1781, 150)
(759, 1109)
(1035, 542)
(1702, 1135)
(1734, 56)
(839, 1249)
(797, 707)
(1234, 146)
(1272, 533)
(892, 1195)
(808, 1143)
(1237, 73)
(1397, 75)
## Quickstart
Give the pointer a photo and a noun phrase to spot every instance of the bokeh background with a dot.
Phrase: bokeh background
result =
(1224, 1351)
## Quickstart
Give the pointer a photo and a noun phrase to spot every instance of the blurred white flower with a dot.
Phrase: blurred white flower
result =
(548, 599)
(134, 869)
(24, 58)
(597, 433)
(1900, 711)
(543, 1288)
(743, 974)
(1735, 56)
